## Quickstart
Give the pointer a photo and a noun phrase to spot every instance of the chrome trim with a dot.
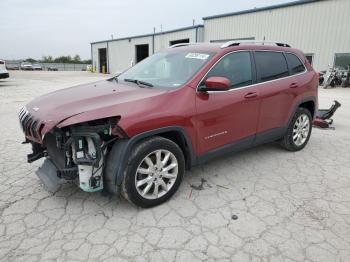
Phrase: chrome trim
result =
(183, 44)
(29, 124)
(233, 89)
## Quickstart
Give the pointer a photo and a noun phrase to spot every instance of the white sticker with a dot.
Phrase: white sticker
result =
(197, 56)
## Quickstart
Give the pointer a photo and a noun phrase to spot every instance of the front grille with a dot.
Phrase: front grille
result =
(30, 126)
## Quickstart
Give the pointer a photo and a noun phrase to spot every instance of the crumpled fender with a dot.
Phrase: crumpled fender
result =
(84, 117)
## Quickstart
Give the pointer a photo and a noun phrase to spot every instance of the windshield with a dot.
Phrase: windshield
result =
(166, 70)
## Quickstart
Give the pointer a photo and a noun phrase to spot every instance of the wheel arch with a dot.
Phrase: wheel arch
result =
(123, 149)
(309, 103)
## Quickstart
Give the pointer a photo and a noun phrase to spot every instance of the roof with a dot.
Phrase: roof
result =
(198, 47)
(254, 10)
(147, 35)
(217, 47)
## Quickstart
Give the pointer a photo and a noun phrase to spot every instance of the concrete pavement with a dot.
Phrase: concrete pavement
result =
(264, 204)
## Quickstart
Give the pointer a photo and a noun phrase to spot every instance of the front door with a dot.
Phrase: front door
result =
(228, 117)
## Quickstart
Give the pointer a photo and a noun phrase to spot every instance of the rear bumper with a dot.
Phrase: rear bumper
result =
(4, 75)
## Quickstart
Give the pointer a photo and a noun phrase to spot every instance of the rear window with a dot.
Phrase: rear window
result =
(294, 64)
(270, 65)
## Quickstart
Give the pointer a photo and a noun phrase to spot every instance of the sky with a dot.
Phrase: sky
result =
(39, 28)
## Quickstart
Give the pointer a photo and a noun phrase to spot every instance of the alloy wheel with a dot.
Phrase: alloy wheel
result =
(301, 130)
(156, 174)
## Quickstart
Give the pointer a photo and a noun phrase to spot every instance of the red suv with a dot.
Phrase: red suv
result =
(137, 133)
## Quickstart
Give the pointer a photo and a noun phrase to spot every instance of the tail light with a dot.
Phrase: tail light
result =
(2, 62)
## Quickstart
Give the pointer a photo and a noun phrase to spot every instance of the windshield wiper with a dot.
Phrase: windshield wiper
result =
(138, 82)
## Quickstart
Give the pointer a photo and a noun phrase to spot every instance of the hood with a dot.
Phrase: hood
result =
(102, 99)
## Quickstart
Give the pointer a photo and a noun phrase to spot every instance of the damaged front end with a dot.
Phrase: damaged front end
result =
(74, 153)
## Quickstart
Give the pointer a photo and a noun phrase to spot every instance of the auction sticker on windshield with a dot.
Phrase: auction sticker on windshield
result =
(197, 56)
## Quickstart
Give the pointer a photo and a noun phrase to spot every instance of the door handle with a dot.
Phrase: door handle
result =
(293, 85)
(251, 95)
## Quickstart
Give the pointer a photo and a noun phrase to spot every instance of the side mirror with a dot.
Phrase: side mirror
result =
(216, 83)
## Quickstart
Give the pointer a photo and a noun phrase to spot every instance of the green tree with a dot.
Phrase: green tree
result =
(63, 59)
(87, 61)
(30, 60)
(47, 59)
(77, 59)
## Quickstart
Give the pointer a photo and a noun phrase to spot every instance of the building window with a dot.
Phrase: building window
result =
(310, 58)
(181, 41)
(342, 60)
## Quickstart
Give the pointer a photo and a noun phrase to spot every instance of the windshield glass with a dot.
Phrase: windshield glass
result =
(167, 70)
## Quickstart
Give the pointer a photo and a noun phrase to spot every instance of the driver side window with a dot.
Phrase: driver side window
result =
(236, 67)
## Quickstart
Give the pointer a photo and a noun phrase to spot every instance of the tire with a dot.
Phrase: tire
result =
(288, 141)
(141, 154)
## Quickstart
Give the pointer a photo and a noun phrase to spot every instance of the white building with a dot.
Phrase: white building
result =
(118, 54)
(320, 28)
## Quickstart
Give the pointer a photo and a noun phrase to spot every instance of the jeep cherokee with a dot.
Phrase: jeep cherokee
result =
(137, 133)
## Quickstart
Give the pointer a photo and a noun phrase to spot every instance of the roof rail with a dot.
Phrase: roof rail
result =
(182, 44)
(263, 42)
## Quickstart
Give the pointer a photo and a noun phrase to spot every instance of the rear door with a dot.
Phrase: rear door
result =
(227, 117)
(276, 91)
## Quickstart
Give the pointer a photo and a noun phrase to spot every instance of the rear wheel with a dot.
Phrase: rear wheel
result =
(154, 172)
(299, 131)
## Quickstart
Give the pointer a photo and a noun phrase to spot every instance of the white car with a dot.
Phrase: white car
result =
(26, 66)
(37, 67)
(3, 71)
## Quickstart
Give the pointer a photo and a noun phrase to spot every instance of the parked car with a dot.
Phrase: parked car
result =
(12, 67)
(3, 71)
(138, 132)
(37, 67)
(26, 66)
(52, 68)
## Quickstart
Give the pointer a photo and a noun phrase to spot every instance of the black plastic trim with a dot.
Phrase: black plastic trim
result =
(244, 143)
(127, 145)
(301, 101)
(269, 135)
(237, 146)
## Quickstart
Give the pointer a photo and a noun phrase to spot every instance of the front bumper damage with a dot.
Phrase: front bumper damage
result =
(76, 153)
(48, 176)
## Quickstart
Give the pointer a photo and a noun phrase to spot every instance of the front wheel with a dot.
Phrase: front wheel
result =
(154, 172)
(299, 131)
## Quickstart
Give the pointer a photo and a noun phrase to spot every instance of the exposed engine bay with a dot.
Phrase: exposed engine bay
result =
(76, 153)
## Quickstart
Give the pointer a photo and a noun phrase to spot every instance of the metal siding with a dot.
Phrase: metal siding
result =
(163, 41)
(122, 52)
(320, 28)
